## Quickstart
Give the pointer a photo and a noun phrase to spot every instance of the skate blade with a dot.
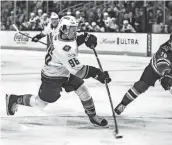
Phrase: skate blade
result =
(98, 126)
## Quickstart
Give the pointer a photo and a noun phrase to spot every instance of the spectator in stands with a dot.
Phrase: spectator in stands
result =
(88, 27)
(68, 13)
(101, 24)
(131, 18)
(45, 20)
(39, 16)
(12, 18)
(32, 25)
(113, 26)
(107, 20)
(95, 27)
(2, 26)
(39, 26)
(159, 17)
(132, 7)
(99, 14)
(9, 25)
(91, 16)
(137, 27)
(127, 28)
(163, 29)
(79, 18)
(111, 12)
(32, 17)
(25, 25)
(20, 16)
(150, 20)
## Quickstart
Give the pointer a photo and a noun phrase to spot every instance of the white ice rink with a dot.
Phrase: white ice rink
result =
(147, 121)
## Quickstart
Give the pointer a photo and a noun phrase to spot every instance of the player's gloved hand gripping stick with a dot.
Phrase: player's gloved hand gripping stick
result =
(116, 131)
(15, 27)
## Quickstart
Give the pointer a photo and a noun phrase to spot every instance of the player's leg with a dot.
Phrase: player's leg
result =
(148, 78)
(12, 101)
(82, 91)
(49, 92)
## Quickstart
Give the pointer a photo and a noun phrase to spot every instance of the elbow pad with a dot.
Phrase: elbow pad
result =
(163, 66)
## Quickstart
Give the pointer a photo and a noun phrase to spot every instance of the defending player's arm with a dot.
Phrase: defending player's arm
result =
(162, 64)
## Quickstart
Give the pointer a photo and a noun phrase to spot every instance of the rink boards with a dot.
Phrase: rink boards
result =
(139, 44)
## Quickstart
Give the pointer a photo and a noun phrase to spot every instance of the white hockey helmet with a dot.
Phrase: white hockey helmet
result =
(66, 22)
(54, 16)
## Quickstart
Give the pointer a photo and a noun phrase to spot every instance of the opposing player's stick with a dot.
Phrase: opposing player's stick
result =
(15, 27)
(116, 131)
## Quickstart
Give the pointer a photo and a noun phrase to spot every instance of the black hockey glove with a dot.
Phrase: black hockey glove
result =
(103, 76)
(166, 82)
(90, 40)
(37, 38)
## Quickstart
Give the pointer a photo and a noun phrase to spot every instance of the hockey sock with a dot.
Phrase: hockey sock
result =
(131, 94)
(32, 101)
(24, 99)
(89, 107)
(86, 100)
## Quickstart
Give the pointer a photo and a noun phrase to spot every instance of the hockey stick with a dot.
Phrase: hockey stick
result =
(116, 131)
(15, 27)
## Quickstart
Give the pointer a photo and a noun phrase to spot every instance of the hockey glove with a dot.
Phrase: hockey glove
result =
(34, 39)
(90, 40)
(166, 82)
(37, 37)
(103, 76)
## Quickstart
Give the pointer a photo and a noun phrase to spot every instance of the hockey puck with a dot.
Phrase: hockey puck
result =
(118, 136)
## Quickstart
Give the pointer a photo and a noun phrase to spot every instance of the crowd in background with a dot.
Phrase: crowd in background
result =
(100, 16)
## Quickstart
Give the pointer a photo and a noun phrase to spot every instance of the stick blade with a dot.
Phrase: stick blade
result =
(117, 136)
(15, 27)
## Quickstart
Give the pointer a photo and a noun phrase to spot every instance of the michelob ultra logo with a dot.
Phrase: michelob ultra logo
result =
(120, 41)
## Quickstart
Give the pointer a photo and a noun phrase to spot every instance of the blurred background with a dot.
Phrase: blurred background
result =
(94, 16)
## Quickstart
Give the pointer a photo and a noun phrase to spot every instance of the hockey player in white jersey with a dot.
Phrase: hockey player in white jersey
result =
(61, 66)
(84, 71)
(50, 29)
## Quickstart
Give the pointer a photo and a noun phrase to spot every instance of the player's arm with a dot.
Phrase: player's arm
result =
(90, 71)
(38, 37)
(160, 62)
(162, 65)
(41, 35)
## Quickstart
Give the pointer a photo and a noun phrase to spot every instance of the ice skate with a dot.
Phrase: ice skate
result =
(97, 120)
(11, 104)
(119, 109)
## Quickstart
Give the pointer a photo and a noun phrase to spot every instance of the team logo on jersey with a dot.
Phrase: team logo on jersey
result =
(66, 48)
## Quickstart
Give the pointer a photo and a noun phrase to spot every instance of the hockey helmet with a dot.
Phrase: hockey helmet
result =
(54, 19)
(66, 23)
(54, 16)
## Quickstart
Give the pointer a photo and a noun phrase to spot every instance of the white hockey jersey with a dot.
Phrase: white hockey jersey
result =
(61, 58)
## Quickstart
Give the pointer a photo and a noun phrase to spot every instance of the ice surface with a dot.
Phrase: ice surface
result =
(147, 121)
